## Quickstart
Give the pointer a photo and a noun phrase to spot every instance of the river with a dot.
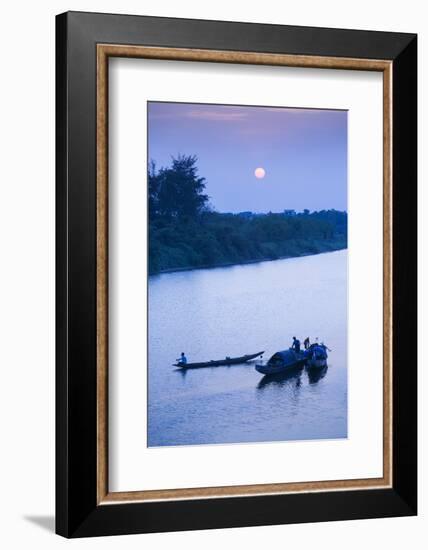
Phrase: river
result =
(211, 313)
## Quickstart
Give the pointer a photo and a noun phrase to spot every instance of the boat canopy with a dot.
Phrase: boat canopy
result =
(318, 352)
(283, 357)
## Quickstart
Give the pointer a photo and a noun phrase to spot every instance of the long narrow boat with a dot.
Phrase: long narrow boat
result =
(282, 361)
(220, 362)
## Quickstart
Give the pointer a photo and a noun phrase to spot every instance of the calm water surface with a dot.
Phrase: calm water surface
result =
(211, 313)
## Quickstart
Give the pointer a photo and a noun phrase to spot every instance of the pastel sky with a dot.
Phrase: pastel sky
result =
(303, 153)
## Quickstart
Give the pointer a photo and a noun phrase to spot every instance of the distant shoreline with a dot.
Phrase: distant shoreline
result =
(219, 240)
(247, 262)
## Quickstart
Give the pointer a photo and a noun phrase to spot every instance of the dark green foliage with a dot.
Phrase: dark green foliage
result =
(185, 234)
(176, 192)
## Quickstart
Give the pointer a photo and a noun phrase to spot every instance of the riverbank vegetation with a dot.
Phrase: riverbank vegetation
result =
(186, 233)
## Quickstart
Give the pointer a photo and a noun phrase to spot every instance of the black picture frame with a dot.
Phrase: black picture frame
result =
(77, 512)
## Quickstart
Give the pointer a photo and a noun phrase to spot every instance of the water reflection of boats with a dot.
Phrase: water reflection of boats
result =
(315, 374)
(282, 361)
(282, 378)
(220, 362)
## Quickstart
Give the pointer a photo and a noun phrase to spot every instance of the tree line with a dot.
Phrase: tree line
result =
(185, 232)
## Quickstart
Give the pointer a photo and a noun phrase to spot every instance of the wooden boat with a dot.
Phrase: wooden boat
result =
(317, 356)
(282, 361)
(220, 362)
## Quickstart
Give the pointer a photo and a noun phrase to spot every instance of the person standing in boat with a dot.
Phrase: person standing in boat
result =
(296, 345)
(306, 343)
(183, 359)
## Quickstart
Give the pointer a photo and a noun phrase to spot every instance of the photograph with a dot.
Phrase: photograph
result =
(247, 274)
(235, 287)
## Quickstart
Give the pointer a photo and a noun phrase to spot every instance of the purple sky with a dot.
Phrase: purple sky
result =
(303, 151)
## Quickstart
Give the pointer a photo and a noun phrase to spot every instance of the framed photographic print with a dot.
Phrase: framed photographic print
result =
(236, 274)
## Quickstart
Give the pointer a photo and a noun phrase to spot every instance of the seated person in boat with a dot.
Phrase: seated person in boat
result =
(182, 360)
(296, 345)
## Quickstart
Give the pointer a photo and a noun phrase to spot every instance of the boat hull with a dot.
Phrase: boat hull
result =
(266, 368)
(292, 376)
(316, 363)
(221, 362)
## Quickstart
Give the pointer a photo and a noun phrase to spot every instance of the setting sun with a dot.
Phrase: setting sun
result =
(259, 173)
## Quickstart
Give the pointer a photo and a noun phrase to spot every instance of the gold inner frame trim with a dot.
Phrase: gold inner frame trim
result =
(104, 51)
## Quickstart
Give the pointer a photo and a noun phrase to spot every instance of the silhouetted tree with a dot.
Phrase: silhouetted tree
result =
(177, 191)
(153, 189)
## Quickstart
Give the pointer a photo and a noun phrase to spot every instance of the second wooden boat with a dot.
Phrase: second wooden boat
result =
(282, 361)
(317, 356)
